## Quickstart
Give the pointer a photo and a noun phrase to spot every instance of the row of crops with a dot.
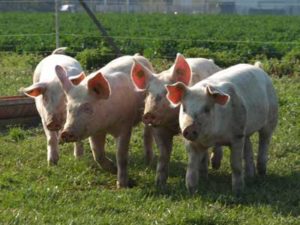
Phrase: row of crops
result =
(228, 39)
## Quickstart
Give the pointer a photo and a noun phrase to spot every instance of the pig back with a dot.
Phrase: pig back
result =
(253, 88)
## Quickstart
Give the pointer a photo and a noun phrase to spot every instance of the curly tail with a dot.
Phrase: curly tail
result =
(258, 64)
(61, 50)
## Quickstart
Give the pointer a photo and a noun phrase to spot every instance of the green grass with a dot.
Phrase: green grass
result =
(79, 192)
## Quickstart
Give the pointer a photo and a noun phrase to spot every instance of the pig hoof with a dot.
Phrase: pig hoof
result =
(192, 190)
(215, 164)
(52, 162)
(261, 169)
(122, 184)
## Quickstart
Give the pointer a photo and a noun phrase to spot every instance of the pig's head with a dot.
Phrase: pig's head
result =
(82, 104)
(198, 106)
(157, 110)
(52, 100)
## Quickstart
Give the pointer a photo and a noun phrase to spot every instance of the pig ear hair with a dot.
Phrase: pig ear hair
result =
(219, 96)
(62, 76)
(140, 75)
(35, 90)
(77, 79)
(99, 86)
(182, 71)
(175, 93)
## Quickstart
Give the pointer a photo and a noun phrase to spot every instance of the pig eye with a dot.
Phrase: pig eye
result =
(86, 108)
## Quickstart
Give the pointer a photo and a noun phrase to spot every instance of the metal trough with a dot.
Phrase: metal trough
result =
(18, 110)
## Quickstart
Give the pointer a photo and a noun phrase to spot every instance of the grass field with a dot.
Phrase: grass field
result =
(79, 192)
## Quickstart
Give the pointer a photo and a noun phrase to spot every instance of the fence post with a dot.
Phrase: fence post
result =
(56, 25)
(102, 30)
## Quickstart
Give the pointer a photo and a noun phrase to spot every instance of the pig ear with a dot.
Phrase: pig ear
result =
(219, 96)
(62, 76)
(35, 90)
(77, 79)
(182, 71)
(140, 75)
(99, 86)
(175, 93)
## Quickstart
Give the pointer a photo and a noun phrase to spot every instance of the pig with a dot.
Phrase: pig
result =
(159, 114)
(105, 102)
(50, 99)
(226, 109)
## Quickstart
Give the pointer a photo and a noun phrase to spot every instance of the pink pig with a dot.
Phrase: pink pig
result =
(159, 114)
(226, 109)
(50, 98)
(105, 102)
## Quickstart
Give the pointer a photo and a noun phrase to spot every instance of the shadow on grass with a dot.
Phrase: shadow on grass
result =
(277, 191)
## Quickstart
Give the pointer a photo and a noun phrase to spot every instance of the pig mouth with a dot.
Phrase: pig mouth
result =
(65, 137)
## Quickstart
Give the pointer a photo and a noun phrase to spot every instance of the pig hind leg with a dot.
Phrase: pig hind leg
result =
(78, 149)
(216, 157)
(265, 135)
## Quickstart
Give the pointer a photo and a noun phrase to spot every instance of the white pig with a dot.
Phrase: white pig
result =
(226, 109)
(50, 99)
(105, 102)
(159, 114)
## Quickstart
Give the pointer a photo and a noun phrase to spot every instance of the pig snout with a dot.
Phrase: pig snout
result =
(190, 133)
(150, 119)
(67, 136)
(53, 125)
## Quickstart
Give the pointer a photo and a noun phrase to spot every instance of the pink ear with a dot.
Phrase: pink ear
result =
(182, 71)
(62, 76)
(218, 96)
(99, 86)
(35, 89)
(77, 79)
(175, 92)
(139, 76)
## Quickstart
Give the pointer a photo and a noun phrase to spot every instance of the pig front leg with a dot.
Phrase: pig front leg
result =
(78, 149)
(148, 142)
(52, 146)
(122, 157)
(164, 141)
(196, 158)
(97, 143)
(236, 162)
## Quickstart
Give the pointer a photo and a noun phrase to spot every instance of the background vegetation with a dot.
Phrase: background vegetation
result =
(79, 192)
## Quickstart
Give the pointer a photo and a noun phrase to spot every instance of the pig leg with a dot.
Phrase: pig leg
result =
(52, 146)
(262, 157)
(148, 142)
(78, 149)
(195, 157)
(122, 157)
(97, 143)
(203, 171)
(248, 157)
(236, 162)
(164, 141)
(216, 157)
